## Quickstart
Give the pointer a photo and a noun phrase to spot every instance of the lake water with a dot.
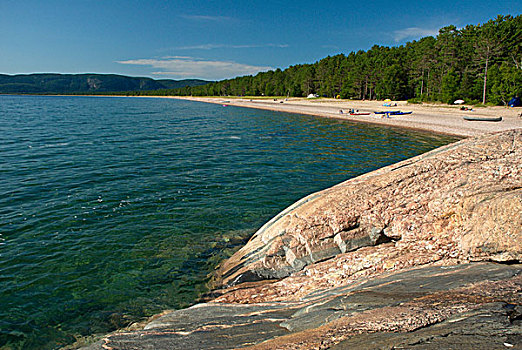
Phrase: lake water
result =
(113, 209)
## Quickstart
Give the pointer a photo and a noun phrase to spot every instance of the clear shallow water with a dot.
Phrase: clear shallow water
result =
(113, 209)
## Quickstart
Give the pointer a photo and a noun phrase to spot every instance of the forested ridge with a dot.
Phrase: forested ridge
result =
(48, 83)
(478, 63)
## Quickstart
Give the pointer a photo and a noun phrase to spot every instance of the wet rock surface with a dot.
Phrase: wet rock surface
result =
(422, 254)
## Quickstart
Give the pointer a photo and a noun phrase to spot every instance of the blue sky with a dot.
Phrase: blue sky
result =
(213, 39)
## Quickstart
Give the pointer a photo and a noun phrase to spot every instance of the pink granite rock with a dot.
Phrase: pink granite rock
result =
(402, 257)
(461, 202)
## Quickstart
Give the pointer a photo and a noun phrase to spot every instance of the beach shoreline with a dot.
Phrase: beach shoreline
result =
(427, 117)
(436, 118)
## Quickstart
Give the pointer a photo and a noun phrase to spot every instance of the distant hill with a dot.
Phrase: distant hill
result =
(86, 83)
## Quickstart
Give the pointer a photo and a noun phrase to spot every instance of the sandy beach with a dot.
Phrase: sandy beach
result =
(436, 118)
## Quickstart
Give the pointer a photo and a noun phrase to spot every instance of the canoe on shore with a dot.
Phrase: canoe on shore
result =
(386, 112)
(361, 113)
(483, 119)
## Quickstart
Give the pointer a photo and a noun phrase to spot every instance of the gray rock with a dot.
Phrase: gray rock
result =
(367, 305)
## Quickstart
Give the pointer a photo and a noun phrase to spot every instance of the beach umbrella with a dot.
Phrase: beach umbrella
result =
(458, 102)
(387, 100)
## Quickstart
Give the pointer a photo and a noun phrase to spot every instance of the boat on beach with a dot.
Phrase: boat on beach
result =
(482, 119)
(359, 113)
(386, 112)
(400, 113)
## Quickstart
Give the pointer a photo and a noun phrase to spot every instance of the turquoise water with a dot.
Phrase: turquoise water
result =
(113, 209)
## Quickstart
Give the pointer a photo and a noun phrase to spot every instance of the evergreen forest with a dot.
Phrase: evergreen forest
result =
(478, 63)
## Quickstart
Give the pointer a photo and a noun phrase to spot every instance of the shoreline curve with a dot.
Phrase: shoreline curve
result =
(436, 118)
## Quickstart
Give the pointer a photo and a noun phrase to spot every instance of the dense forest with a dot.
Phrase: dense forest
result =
(85, 83)
(477, 63)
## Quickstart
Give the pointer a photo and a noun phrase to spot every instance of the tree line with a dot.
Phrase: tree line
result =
(478, 63)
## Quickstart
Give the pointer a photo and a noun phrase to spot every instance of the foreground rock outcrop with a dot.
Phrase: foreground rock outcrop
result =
(421, 254)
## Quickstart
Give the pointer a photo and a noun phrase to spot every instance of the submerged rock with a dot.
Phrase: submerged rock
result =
(421, 254)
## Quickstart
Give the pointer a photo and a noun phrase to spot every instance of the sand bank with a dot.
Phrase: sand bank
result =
(428, 117)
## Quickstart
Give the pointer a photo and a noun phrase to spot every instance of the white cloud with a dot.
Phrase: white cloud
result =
(188, 67)
(413, 33)
(176, 57)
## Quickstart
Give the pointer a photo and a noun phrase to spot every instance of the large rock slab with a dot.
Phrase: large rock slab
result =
(492, 326)
(461, 202)
(422, 254)
(480, 299)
